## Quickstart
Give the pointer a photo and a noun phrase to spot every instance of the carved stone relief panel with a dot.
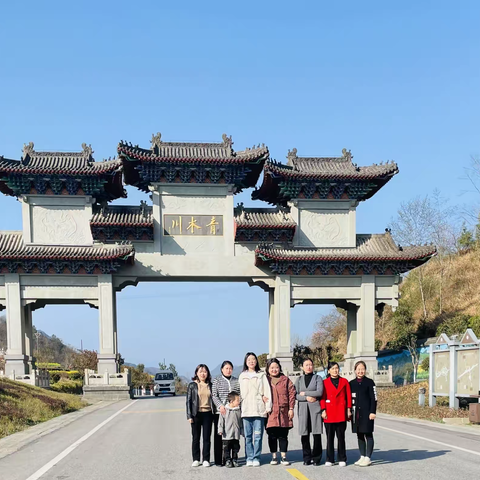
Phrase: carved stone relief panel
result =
(320, 228)
(60, 225)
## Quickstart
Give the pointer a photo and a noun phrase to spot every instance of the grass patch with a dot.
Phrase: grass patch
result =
(403, 402)
(23, 406)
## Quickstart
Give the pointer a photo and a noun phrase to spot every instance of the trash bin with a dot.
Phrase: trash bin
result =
(474, 413)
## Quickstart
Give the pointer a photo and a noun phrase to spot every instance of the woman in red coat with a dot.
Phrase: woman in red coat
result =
(336, 404)
(280, 419)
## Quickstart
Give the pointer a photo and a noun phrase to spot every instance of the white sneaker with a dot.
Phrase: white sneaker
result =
(342, 464)
(328, 464)
(274, 460)
(360, 460)
(206, 464)
(249, 463)
(366, 462)
(256, 463)
(284, 461)
(196, 463)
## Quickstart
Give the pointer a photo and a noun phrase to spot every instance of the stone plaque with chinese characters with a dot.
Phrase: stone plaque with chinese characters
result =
(193, 225)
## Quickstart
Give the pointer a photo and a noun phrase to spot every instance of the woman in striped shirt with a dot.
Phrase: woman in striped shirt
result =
(221, 387)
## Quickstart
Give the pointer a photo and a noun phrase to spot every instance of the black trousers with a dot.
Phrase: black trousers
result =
(365, 444)
(278, 437)
(310, 455)
(202, 421)
(338, 430)
(217, 442)
(231, 449)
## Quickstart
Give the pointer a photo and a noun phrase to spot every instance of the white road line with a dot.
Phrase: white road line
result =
(427, 439)
(74, 445)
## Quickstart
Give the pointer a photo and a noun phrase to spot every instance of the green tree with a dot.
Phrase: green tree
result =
(85, 359)
(455, 325)
(466, 239)
(474, 324)
(262, 360)
(171, 367)
(139, 377)
(406, 335)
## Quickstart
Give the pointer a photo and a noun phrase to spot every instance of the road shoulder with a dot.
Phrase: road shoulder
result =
(472, 429)
(16, 441)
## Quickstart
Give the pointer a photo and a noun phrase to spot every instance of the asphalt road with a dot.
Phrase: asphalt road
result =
(150, 439)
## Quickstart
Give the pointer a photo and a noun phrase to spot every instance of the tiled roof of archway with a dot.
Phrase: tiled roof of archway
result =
(264, 218)
(373, 247)
(120, 215)
(12, 247)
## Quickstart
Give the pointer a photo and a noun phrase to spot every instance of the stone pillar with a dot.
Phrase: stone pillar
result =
(157, 220)
(453, 400)
(366, 325)
(279, 322)
(29, 340)
(351, 337)
(15, 358)
(108, 352)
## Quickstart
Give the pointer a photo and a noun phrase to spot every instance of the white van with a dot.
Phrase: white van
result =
(164, 383)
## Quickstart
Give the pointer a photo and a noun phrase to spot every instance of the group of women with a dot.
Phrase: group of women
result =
(267, 401)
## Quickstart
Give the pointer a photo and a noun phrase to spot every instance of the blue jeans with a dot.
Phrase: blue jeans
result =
(253, 429)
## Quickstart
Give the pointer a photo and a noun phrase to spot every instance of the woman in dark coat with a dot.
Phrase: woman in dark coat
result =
(336, 406)
(364, 400)
(309, 391)
(280, 419)
(200, 411)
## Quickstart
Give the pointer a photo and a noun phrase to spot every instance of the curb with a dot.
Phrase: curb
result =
(468, 428)
(18, 440)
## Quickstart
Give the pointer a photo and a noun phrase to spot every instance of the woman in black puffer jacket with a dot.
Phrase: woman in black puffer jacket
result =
(200, 411)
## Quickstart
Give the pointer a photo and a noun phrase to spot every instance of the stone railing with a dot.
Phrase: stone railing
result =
(92, 378)
(38, 378)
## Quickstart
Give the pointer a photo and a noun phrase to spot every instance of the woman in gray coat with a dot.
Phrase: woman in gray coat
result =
(309, 391)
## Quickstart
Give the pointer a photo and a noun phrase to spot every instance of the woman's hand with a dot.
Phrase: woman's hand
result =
(349, 413)
(265, 399)
(223, 410)
(372, 416)
(302, 394)
(190, 420)
(312, 399)
(324, 414)
(291, 414)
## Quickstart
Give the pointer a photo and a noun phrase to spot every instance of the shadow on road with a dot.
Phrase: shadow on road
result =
(404, 455)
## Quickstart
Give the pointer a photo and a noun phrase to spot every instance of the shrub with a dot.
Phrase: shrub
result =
(425, 365)
(455, 325)
(474, 324)
(68, 386)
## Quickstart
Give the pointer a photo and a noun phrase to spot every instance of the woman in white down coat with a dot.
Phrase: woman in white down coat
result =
(256, 405)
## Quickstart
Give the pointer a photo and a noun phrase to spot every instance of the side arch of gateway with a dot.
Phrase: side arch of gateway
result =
(304, 248)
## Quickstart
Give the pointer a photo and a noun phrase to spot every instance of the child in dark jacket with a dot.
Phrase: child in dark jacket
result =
(230, 427)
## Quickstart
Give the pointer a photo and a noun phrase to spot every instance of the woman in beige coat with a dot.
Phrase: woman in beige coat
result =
(256, 405)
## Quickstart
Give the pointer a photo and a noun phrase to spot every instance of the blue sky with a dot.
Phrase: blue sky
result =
(388, 80)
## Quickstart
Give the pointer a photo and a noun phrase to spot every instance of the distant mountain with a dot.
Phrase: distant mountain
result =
(237, 370)
(152, 370)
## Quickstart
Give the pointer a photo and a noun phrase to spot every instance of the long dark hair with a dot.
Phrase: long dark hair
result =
(209, 376)
(245, 367)
(273, 360)
(331, 365)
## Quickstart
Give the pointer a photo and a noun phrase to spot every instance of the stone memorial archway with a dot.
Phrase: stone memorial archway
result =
(75, 248)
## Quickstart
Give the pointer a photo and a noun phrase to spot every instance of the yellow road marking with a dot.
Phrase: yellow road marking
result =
(155, 411)
(296, 474)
